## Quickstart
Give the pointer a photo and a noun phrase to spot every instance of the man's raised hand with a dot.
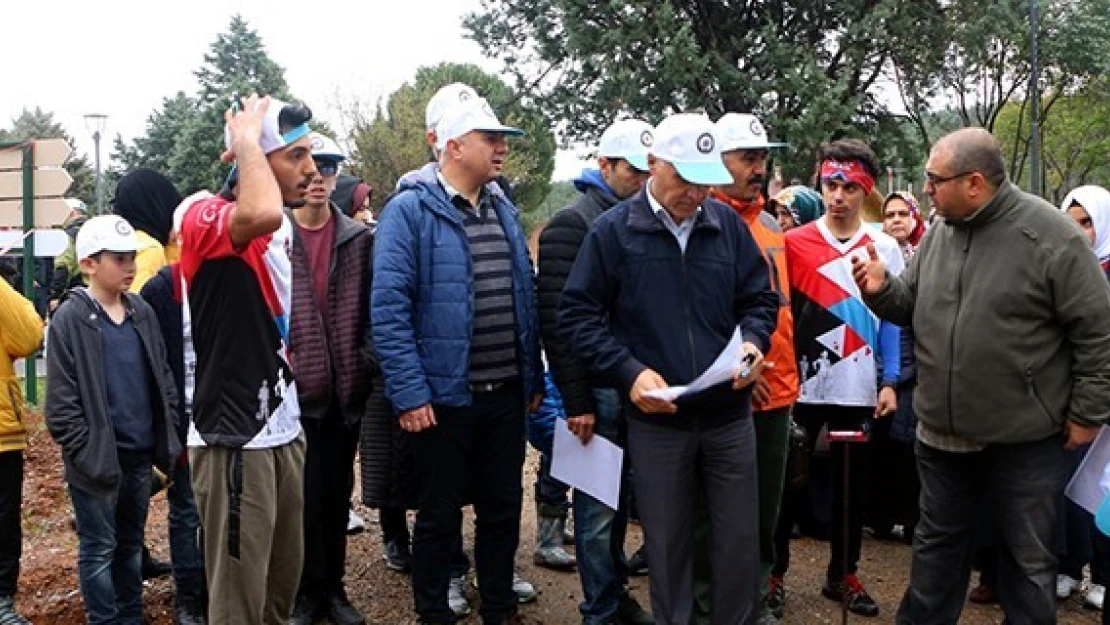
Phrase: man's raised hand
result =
(869, 274)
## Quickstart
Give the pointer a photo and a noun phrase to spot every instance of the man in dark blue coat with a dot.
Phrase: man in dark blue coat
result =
(662, 283)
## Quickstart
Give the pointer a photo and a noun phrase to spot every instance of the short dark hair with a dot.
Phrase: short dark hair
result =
(847, 150)
(293, 115)
(976, 149)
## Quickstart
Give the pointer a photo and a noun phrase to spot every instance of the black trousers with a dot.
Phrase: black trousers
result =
(477, 449)
(11, 538)
(329, 479)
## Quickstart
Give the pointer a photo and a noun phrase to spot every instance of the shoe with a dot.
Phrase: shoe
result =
(983, 594)
(525, 591)
(456, 596)
(307, 610)
(8, 615)
(355, 523)
(852, 592)
(1093, 599)
(153, 567)
(187, 612)
(1065, 585)
(630, 612)
(776, 596)
(766, 617)
(397, 556)
(340, 610)
(638, 563)
(568, 537)
(550, 534)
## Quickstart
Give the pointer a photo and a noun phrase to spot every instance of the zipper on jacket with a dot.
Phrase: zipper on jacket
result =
(686, 313)
(952, 336)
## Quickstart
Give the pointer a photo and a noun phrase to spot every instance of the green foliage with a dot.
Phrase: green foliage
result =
(393, 142)
(562, 194)
(40, 124)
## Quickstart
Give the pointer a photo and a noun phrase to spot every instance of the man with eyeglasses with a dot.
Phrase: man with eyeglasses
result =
(1011, 321)
(329, 337)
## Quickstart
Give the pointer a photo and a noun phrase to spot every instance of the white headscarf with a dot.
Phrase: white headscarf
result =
(1096, 201)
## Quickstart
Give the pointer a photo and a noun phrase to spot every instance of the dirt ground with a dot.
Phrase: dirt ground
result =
(48, 582)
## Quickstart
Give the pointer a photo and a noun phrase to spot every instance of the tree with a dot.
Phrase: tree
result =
(811, 70)
(40, 124)
(393, 142)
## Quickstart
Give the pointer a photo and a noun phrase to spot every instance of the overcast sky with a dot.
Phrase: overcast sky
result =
(121, 57)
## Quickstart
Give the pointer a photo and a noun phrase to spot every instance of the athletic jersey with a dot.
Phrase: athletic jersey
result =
(836, 336)
(238, 301)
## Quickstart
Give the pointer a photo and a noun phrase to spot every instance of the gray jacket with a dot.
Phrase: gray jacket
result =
(1011, 319)
(77, 397)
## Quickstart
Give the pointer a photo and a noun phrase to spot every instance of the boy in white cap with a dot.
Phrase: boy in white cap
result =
(110, 404)
(668, 244)
(592, 403)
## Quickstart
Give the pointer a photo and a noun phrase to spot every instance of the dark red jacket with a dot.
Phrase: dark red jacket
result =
(333, 357)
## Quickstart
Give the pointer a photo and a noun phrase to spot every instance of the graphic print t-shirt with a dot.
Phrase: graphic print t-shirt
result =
(245, 395)
(836, 336)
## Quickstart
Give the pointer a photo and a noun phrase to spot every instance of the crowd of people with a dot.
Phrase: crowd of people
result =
(936, 384)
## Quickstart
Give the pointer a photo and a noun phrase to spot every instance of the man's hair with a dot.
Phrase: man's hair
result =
(976, 149)
(293, 115)
(847, 150)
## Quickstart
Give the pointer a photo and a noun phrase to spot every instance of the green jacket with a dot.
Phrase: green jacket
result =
(1011, 319)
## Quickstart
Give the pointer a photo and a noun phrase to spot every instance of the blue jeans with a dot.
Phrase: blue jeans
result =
(599, 530)
(110, 543)
(188, 563)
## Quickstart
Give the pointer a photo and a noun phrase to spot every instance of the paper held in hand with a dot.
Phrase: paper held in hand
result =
(722, 370)
(594, 469)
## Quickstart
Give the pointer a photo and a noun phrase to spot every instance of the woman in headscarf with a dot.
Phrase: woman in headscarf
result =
(796, 205)
(902, 220)
(147, 199)
(1081, 543)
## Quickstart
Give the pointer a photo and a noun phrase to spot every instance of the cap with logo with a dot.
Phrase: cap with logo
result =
(75, 204)
(629, 139)
(742, 131)
(467, 117)
(445, 98)
(105, 233)
(688, 141)
(272, 139)
(325, 148)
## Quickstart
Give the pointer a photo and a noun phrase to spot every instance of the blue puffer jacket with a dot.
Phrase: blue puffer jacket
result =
(422, 300)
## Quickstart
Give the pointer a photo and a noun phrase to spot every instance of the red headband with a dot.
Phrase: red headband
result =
(851, 171)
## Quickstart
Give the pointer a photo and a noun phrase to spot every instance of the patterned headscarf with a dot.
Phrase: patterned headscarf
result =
(805, 204)
(917, 224)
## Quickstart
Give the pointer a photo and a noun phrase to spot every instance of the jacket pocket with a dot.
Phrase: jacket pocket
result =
(1031, 383)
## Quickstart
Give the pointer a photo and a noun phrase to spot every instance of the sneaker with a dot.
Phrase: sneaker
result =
(983, 594)
(341, 611)
(630, 612)
(8, 615)
(1065, 586)
(638, 563)
(852, 592)
(456, 596)
(525, 591)
(776, 596)
(355, 523)
(397, 556)
(766, 617)
(1092, 600)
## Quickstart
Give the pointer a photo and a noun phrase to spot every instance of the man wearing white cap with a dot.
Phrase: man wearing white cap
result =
(329, 333)
(455, 327)
(246, 446)
(661, 284)
(592, 403)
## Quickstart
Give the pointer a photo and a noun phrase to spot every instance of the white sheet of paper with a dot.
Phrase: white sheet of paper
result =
(1085, 488)
(594, 469)
(722, 370)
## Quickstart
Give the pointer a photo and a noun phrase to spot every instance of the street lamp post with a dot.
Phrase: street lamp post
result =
(1036, 177)
(94, 122)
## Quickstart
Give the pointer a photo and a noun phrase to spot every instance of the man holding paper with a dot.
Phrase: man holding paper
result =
(661, 283)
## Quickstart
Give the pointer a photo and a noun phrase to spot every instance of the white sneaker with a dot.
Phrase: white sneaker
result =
(355, 523)
(456, 596)
(525, 591)
(1065, 586)
(1094, 597)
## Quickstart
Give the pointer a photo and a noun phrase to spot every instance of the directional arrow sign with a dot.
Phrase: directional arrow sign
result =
(48, 153)
(49, 212)
(48, 183)
(48, 243)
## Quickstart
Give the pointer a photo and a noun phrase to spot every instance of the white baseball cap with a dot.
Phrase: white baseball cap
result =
(325, 147)
(742, 131)
(629, 139)
(467, 117)
(689, 142)
(272, 138)
(445, 98)
(105, 233)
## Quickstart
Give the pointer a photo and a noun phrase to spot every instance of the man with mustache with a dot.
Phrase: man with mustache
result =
(454, 323)
(328, 339)
(246, 446)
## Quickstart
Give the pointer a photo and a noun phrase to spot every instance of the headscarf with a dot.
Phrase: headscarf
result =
(805, 204)
(1096, 201)
(350, 192)
(147, 199)
(917, 224)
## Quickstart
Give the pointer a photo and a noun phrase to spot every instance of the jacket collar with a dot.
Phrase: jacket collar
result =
(748, 211)
(1004, 199)
(345, 227)
(641, 217)
(81, 297)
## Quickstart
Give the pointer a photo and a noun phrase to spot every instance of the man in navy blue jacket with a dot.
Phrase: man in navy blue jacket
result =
(660, 285)
(455, 326)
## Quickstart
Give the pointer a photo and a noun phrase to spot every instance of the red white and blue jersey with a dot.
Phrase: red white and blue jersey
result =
(238, 301)
(836, 336)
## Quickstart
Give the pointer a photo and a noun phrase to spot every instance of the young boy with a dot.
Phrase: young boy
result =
(110, 402)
